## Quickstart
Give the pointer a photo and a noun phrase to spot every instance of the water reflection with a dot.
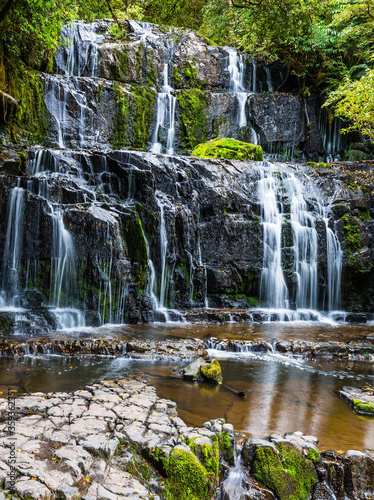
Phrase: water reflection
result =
(281, 395)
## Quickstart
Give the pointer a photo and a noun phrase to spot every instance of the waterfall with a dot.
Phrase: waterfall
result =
(63, 274)
(77, 54)
(273, 290)
(232, 486)
(254, 75)
(268, 79)
(290, 241)
(236, 72)
(165, 116)
(13, 247)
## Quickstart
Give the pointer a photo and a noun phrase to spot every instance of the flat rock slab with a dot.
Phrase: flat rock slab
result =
(360, 398)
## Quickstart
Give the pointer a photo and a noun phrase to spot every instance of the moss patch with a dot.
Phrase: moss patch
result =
(142, 117)
(363, 406)
(118, 137)
(192, 116)
(137, 249)
(318, 165)
(211, 372)
(230, 149)
(289, 474)
(187, 478)
(351, 234)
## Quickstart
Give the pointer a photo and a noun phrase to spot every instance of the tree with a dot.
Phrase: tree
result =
(353, 100)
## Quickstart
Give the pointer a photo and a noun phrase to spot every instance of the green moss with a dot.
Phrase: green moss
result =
(177, 77)
(137, 249)
(225, 447)
(228, 148)
(253, 301)
(313, 455)
(363, 406)
(142, 116)
(364, 214)
(289, 474)
(119, 133)
(318, 165)
(351, 234)
(118, 69)
(187, 478)
(208, 456)
(211, 372)
(139, 58)
(353, 186)
(29, 121)
(138, 469)
(193, 120)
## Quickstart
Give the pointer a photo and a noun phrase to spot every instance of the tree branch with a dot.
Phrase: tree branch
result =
(112, 12)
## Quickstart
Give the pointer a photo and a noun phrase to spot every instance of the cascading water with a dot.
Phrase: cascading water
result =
(12, 250)
(291, 241)
(236, 71)
(78, 53)
(165, 117)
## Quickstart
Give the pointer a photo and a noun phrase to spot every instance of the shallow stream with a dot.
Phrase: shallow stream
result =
(282, 394)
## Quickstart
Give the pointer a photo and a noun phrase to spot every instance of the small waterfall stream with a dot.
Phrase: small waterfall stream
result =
(12, 250)
(236, 71)
(165, 117)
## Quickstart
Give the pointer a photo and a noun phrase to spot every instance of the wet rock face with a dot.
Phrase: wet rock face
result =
(109, 86)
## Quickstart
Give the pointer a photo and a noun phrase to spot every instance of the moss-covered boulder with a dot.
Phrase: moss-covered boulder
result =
(285, 470)
(211, 372)
(200, 369)
(228, 148)
(360, 398)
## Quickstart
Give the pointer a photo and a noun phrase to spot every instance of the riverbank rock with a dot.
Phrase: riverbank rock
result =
(113, 439)
(201, 369)
(360, 398)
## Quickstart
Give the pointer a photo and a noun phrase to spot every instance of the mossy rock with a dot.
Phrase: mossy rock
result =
(7, 322)
(289, 473)
(318, 165)
(230, 149)
(363, 407)
(211, 372)
(187, 477)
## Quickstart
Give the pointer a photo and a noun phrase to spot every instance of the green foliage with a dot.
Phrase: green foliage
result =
(353, 100)
(228, 148)
(289, 474)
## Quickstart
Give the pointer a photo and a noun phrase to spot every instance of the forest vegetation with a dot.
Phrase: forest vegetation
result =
(328, 45)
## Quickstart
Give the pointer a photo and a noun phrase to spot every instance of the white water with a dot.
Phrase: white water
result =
(165, 117)
(236, 71)
(232, 487)
(77, 54)
(283, 207)
(13, 248)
